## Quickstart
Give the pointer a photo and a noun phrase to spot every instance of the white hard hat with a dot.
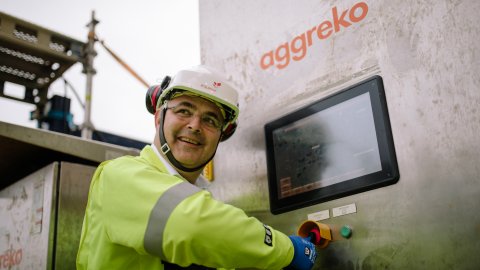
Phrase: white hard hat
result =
(206, 83)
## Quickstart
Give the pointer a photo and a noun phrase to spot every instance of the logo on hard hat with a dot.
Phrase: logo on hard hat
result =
(212, 89)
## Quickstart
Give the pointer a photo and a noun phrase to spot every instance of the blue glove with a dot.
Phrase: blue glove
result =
(304, 253)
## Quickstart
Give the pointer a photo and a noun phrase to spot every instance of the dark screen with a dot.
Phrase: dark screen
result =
(325, 148)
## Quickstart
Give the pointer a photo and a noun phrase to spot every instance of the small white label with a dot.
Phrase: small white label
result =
(344, 210)
(321, 215)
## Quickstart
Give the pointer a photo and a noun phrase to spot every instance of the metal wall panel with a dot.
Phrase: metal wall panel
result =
(428, 54)
(41, 217)
(27, 215)
(73, 187)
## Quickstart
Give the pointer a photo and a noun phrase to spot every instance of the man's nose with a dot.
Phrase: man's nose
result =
(195, 122)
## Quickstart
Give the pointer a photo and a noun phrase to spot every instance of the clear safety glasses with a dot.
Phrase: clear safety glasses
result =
(186, 111)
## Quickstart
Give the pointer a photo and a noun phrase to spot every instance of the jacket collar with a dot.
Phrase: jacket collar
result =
(148, 153)
(151, 153)
(165, 163)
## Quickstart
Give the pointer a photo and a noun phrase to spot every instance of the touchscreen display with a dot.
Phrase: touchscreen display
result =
(328, 147)
(335, 147)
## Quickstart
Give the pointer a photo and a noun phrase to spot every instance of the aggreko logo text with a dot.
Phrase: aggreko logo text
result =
(297, 48)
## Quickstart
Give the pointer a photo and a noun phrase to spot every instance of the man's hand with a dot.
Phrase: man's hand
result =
(304, 253)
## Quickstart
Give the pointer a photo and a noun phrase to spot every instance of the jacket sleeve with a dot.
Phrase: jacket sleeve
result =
(207, 232)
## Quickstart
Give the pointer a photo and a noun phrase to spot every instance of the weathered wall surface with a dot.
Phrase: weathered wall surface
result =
(285, 54)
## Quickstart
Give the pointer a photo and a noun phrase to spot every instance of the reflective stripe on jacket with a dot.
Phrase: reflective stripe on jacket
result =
(138, 215)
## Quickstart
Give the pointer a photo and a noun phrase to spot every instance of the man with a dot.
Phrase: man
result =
(146, 213)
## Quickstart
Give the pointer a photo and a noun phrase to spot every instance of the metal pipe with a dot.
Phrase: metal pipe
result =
(124, 64)
(87, 127)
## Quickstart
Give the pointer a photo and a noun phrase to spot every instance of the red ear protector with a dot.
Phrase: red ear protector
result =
(228, 132)
(153, 94)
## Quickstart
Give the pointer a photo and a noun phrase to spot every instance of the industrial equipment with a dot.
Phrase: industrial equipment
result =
(286, 56)
(43, 194)
(34, 57)
(45, 173)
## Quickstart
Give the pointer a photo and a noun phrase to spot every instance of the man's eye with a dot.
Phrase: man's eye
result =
(211, 121)
(183, 112)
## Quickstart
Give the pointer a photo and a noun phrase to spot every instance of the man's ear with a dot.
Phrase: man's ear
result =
(157, 118)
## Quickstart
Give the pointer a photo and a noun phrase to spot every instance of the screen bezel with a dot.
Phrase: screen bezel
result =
(388, 175)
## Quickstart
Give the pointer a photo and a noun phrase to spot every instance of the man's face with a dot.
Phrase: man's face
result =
(192, 129)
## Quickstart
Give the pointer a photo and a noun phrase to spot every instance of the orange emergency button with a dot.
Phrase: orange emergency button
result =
(319, 233)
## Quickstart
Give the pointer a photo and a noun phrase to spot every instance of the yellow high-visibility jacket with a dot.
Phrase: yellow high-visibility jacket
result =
(139, 215)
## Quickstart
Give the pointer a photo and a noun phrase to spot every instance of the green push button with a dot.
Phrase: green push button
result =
(346, 231)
